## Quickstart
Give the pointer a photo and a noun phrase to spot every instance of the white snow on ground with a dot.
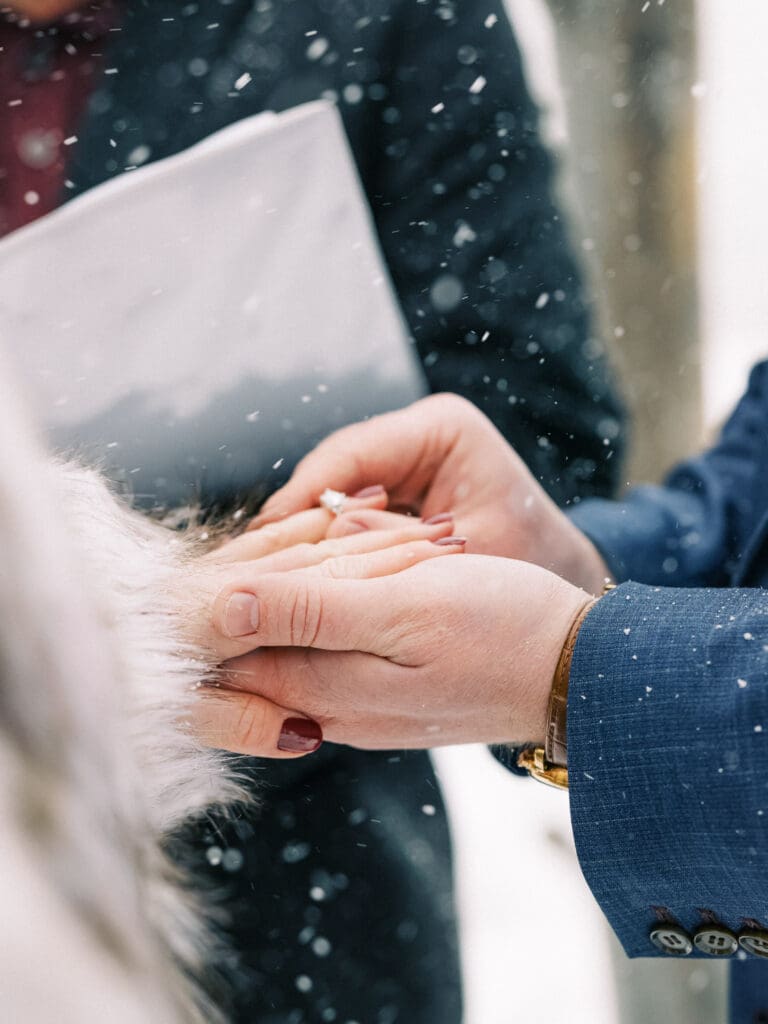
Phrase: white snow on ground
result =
(532, 935)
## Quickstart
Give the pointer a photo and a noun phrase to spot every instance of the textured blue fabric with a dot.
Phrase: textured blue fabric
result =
(668, 701)
(749, 993)
(668, 736)
(695, 529)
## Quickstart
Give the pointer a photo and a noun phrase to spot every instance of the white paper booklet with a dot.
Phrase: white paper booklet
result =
(201, 322)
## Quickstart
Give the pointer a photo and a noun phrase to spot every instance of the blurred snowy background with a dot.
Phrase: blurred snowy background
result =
(532, 936)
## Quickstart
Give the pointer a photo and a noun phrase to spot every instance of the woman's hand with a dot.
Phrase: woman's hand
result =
(441, 455)
(277, 728)
(448, 651)
(307, 526)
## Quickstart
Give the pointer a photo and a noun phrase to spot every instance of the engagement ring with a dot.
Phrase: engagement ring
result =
(334, 501)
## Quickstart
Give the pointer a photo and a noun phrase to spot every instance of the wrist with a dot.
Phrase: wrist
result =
(583, 565)
(563, 612)
(547, 760)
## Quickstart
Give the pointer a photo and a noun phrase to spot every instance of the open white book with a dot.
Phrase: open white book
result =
(199, 324)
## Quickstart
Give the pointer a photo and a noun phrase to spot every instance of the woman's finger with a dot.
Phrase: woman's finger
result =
(247, 723)
(326, 683)
(302, 528)
(302, 556)
(376, 519)
(357, 698)
(387, 561)
(306, 527)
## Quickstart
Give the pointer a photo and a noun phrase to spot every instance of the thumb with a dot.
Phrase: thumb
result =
(303, 609)
(398, 450)
(247, 723)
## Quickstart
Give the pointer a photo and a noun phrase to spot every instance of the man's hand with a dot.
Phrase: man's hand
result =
(454, 650)
(439, 456)
(276, 728)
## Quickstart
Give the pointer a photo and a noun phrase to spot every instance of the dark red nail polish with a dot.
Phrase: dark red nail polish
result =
(450, 541)
(370, 492)
(300, 736)
(442, 517)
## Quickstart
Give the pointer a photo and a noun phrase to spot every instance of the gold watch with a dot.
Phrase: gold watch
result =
(549, 764)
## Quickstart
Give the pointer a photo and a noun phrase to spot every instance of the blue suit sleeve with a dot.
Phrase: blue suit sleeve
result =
(693, 529)
(668, 757)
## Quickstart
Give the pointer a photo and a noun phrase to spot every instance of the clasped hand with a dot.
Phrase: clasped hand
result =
(374, 633)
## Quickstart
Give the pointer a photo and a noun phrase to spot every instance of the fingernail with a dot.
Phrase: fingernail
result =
(450, 541)
(370, 492)
(442, 517)
(241, 615)
(300, 736)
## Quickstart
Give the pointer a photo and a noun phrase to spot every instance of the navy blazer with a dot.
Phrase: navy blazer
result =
(668, 710)
(458, 181)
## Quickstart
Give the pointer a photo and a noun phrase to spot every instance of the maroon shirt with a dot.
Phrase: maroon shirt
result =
(46, 76)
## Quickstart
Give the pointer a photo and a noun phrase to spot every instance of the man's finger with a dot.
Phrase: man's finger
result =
(302, 609)
(400, 450)
(247, 723)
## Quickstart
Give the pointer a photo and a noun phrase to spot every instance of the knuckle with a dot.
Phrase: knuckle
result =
(282, 675)
(252, 726)
(341, 567)
(333, 546)
(305, 551)
(303, 610)
(417, 550)
(269, 535)
(301, 685)
(450, 404)
(338, 528)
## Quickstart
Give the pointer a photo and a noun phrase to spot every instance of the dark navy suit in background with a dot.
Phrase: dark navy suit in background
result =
(668, 702)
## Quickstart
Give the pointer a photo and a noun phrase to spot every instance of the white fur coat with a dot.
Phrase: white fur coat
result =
(96, 764)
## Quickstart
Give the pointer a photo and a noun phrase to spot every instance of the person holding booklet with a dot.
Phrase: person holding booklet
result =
(447, 146)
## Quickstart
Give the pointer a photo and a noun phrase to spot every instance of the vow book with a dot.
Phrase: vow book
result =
(197, 325)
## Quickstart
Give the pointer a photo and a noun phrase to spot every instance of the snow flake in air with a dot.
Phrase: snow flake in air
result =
(317, 48)
(463, 234)
(445, 293)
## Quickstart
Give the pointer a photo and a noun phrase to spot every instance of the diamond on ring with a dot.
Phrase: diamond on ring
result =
(334, 501)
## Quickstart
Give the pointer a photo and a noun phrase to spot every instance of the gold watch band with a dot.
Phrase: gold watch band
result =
(549, 764)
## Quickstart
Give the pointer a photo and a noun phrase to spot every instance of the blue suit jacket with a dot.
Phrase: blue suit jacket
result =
(668, 703)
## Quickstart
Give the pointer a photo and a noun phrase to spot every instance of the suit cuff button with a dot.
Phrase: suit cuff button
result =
(754, 942)
(671, 940)
(714, 940)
